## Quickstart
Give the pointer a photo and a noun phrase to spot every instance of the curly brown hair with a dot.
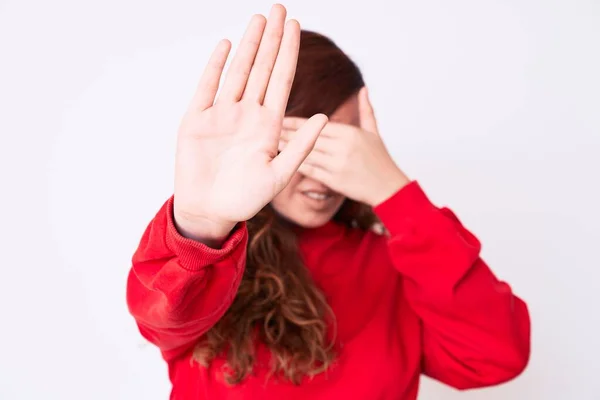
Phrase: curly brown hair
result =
(277, 302)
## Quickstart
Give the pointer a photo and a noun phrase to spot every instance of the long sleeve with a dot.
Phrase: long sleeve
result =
(178, 288)
(476, 332)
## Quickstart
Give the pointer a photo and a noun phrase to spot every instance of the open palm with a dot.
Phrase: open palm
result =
(227, 162)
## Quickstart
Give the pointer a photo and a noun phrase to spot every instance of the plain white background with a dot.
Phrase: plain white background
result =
(493, 105)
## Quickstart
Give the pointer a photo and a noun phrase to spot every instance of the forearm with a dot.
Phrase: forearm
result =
(178, 288)
(475, 330)
(476, 333)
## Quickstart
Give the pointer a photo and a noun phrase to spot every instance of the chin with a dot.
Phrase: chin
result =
(306, 214)
(305, 220)
(312, 222)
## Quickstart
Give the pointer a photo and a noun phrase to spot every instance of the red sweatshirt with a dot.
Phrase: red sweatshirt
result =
(418, 301)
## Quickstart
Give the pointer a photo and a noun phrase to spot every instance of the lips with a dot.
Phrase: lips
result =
(317, 195)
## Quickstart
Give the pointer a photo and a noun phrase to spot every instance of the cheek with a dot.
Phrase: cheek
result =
(339, 203)
(284, 197)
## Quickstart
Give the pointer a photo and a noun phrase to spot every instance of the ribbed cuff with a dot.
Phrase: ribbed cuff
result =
(194, 255)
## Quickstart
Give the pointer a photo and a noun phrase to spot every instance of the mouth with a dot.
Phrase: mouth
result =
(318, 196)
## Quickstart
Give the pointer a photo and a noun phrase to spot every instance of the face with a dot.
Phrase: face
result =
(307, 202)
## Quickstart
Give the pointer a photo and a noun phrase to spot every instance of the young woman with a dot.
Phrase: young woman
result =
(264, 277)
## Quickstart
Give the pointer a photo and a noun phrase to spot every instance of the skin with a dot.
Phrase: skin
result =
(227, 164)
(349, 160)
(294, 205)
(236, 152)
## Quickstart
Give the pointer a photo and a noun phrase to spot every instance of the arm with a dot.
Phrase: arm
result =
(178, 288)
(476, 332)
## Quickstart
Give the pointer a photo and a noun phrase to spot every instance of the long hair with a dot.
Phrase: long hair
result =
(277, 302)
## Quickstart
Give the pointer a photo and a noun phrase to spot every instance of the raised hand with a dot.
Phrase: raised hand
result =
(351, 160)
(227, 162)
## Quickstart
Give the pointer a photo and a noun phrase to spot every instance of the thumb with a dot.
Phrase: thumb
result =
(286, 163)
(365, 110)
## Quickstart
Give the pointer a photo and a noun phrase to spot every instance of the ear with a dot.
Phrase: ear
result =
(366, 113)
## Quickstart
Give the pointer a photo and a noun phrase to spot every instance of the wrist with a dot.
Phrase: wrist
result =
(387, 186)
(204, 230)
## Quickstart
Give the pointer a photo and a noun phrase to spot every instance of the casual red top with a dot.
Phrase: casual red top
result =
(418, 301)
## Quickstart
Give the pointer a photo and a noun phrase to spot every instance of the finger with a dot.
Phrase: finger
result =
(283, 143)
(286, 134)
(319, 159)
(280, 83)
(293, 123)
(316, 173)
(365, 110)
(237, 75)
(267, 55)
(209, 82)
(286, 163)
(324, 144)
(332, 129)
